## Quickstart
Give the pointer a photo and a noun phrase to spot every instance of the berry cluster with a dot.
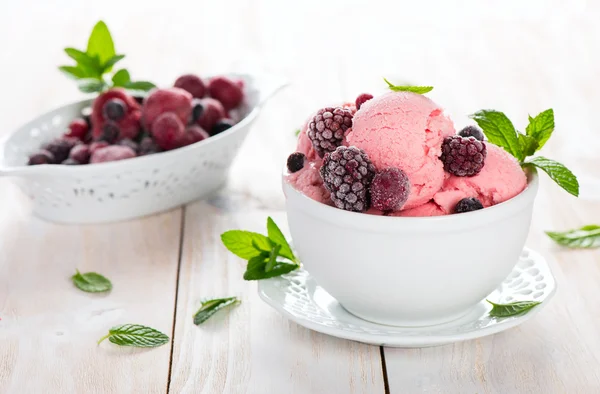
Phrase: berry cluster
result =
(119, 126)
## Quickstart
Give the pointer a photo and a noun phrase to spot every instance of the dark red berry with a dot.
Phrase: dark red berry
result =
(326, 129)
(390, 189)
(192, 84)
(360, 100)
(114, 109)
(161, 101)
(81, 153)
(130, 143)
(463, 156)
(472, 131)
(168, 131)
(221, 126)
(71, 162)
(61, 147)
(78, 128)
(227, 91)
(467, 205)
(347, 173)
(148, 147)
(41, 157)
(110, 132)
(112, 153)
(97, 145)
(213, 111)
(193, 134)
(295, 162)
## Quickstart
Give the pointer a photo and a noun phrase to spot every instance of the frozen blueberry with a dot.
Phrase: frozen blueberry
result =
(295, 162)
(467, 205)
(472, 131)
(114, 109)
(221, 126)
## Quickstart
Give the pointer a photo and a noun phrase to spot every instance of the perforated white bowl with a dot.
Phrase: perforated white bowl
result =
(129, 188)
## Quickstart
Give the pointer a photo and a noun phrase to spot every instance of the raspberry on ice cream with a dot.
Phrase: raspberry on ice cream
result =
(347, 173)
(168, 130)
(326, 129)
(112, 153)
(463, 156)
(160, 101)
(389, 190)
(227, 91)
(191, 83)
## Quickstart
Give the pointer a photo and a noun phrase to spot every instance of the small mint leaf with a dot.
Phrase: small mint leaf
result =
(558, 173)
(72, 72)
(512, 309)
(587, 237)
(91, 282)
(89, 65)
(90, 85)
(121, 78)
(210, 307)
(135, 335)
(528, 144)
(143, 86)
(407, 88)
(107, 67)
(242, 243)
(257, 271)
(541, 127)
(499, 130)
(100, 43)
(272, 258)
(277, 237)
(297, 132)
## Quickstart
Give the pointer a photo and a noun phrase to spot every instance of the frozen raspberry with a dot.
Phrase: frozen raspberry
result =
(472, 131)
(81, 153)
(191, 83)
(160, 101)
(130, 126)
(94, 146)
(326, 129)
(227, 91)
(389, 190)
(130, 143)
(168, 130)
(467, 205)
(463, 156)
(192, 135)
(221, 126)
(97, 116)
(110, 132)
(61, 147)
(148, 147)
(112, 153)
(71, 162)
(78, 128)
(295, 162)
(114, 109)
(347, 173)
(41, 157)
(360, 100)
(212, 113)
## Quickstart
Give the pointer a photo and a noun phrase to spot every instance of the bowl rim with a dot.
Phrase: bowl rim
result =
(49, 168)
(381, 223)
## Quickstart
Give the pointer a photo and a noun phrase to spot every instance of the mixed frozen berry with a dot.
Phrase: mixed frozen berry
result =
(120, 126)
(472, 131)
(390, 189)
(327, 128)
(463, 156)
(295, 162)
(467, 205)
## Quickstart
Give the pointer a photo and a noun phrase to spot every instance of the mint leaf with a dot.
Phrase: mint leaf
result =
(106, 67)
(121, 78)
(272, 258)
(210, 307)
(100, 43)
(587, 237)
(512, 309)
(407, 88)
(90, 85)
(256, 269)
(135, 335)
(143, 86)
(91, 282)
(528, 144)
(499, 130)
(541, 127)
(89, 66)
(297, 132)
(245, 244)
(72, 72)
(558, 173)
(277, 237)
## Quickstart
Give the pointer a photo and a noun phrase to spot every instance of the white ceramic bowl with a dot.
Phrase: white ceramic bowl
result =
(129, 188)
(409, 271)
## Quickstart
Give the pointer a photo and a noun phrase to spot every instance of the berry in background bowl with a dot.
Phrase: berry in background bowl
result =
(393, 209)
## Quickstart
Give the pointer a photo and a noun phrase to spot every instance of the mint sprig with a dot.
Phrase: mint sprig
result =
(210, 307)
(268, 256)
(500, 131)
(135, 335)
(91, 282)
(93, 66)
(512, 309)
(408, 88)
(586, 237)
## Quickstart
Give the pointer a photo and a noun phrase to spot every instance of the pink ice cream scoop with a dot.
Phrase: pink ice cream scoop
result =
(500, 179)
(404, 130)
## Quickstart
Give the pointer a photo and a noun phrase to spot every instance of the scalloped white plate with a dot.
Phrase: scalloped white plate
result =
(298, 297)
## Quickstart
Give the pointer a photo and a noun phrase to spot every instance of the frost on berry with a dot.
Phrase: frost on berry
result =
(347, 173)
(463, 156)
(326, 129)
(390, 190)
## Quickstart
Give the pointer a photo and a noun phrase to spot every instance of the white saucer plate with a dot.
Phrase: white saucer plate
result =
(298, 297)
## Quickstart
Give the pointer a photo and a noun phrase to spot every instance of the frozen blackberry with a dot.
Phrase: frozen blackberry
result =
(326, 129)
(472, 131)
(347, 173)
(463, 156)
(467, 205)
(360, 100)
(295, 162)
(389, 190)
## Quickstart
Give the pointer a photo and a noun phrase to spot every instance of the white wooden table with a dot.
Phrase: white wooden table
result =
(520, 61)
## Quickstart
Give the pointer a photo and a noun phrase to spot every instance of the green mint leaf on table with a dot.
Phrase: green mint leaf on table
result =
(210, 307)
(541, 127)
(276, 236)
(121, 78)
(245, 244)
(100, 43)
(90, 85)
(91, 282)
(512, 309)
(500, 131)
(587, 237)
(407, 88)
(558, 172)
(135, 335)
